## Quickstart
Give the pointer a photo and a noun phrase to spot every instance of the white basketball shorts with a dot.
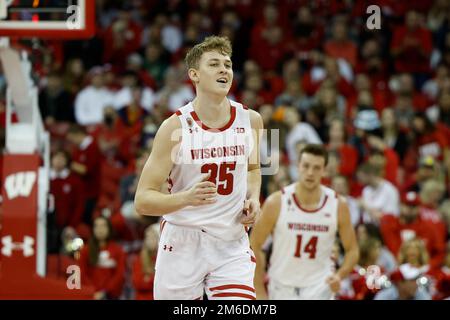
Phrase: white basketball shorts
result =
(191, 262)
(319, 291)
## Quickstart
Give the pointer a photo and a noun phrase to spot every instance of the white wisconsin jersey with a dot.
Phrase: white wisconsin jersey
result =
(222, 152)
(303, 240)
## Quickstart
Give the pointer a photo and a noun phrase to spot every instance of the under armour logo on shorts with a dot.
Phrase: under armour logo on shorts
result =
(166, 247)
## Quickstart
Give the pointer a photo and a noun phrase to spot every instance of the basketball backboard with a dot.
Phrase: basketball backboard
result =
(62, 19)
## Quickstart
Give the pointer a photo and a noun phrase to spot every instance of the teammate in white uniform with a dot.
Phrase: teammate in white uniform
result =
(303, 219)
(209, 154)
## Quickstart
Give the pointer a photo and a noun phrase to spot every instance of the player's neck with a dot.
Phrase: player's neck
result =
(211, 108)
(308, 197)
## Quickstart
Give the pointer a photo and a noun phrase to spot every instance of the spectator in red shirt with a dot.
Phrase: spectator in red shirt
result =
(347, 154)
(267, 39)
(143, 273)
(86, 162)
(122, 38)
(430, 196)
(102, 262)
(428, 141)
(68, 194)
(409, 225)
(340, 46)
(412, 45)
(428, 169)
(307, 33)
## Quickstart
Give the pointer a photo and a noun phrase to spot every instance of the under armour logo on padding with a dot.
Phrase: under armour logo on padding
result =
(26, 246)
(20, 184)
(166, 247)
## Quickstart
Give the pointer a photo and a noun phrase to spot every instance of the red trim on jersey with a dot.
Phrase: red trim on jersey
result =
(178, 113)
(253, 259)
(233, 286)
(245, 107)
(234, 294)
(225, 127)
(307, 210)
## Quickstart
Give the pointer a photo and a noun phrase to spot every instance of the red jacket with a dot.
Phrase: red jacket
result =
(391, 230)
(109, 273)
(142, 284)
(67, 189)
(89, 154)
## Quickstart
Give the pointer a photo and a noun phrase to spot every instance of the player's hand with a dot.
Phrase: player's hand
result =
(334, 281)
(203, 192)
(250, 212)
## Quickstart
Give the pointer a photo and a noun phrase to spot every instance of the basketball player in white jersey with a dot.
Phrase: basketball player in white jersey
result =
(303, 219)
(214, 179)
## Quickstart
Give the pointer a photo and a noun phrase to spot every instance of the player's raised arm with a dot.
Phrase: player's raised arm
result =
(148, 199)
(261, 230)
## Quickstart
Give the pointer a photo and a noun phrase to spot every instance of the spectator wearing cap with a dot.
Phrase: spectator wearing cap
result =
(427, 141)
(409, 225)
(404, 285)
(379, 196)
(91, 101)
(86, 162)
(428, 169)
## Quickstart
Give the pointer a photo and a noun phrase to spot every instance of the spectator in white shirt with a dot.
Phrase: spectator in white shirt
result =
(379, 196)
(299, 132)
(91, 101)
(124, 96)
(177, 92)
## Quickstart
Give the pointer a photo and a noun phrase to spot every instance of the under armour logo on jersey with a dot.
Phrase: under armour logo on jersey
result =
(20, 184)
(26, 246)
(189, 122)
(327, 215)
(239, 130)
(167, 248)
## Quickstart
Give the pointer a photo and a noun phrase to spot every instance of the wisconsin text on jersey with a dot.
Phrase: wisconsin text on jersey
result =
(218, 152)
(308, 227)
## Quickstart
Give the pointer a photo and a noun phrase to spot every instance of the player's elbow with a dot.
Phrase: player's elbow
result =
(142, 206)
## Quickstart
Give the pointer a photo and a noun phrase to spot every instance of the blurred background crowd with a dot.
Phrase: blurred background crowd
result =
(378, 99)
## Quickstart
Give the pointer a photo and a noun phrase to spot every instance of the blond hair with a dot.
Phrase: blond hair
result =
(423, 255)
(212, 43)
